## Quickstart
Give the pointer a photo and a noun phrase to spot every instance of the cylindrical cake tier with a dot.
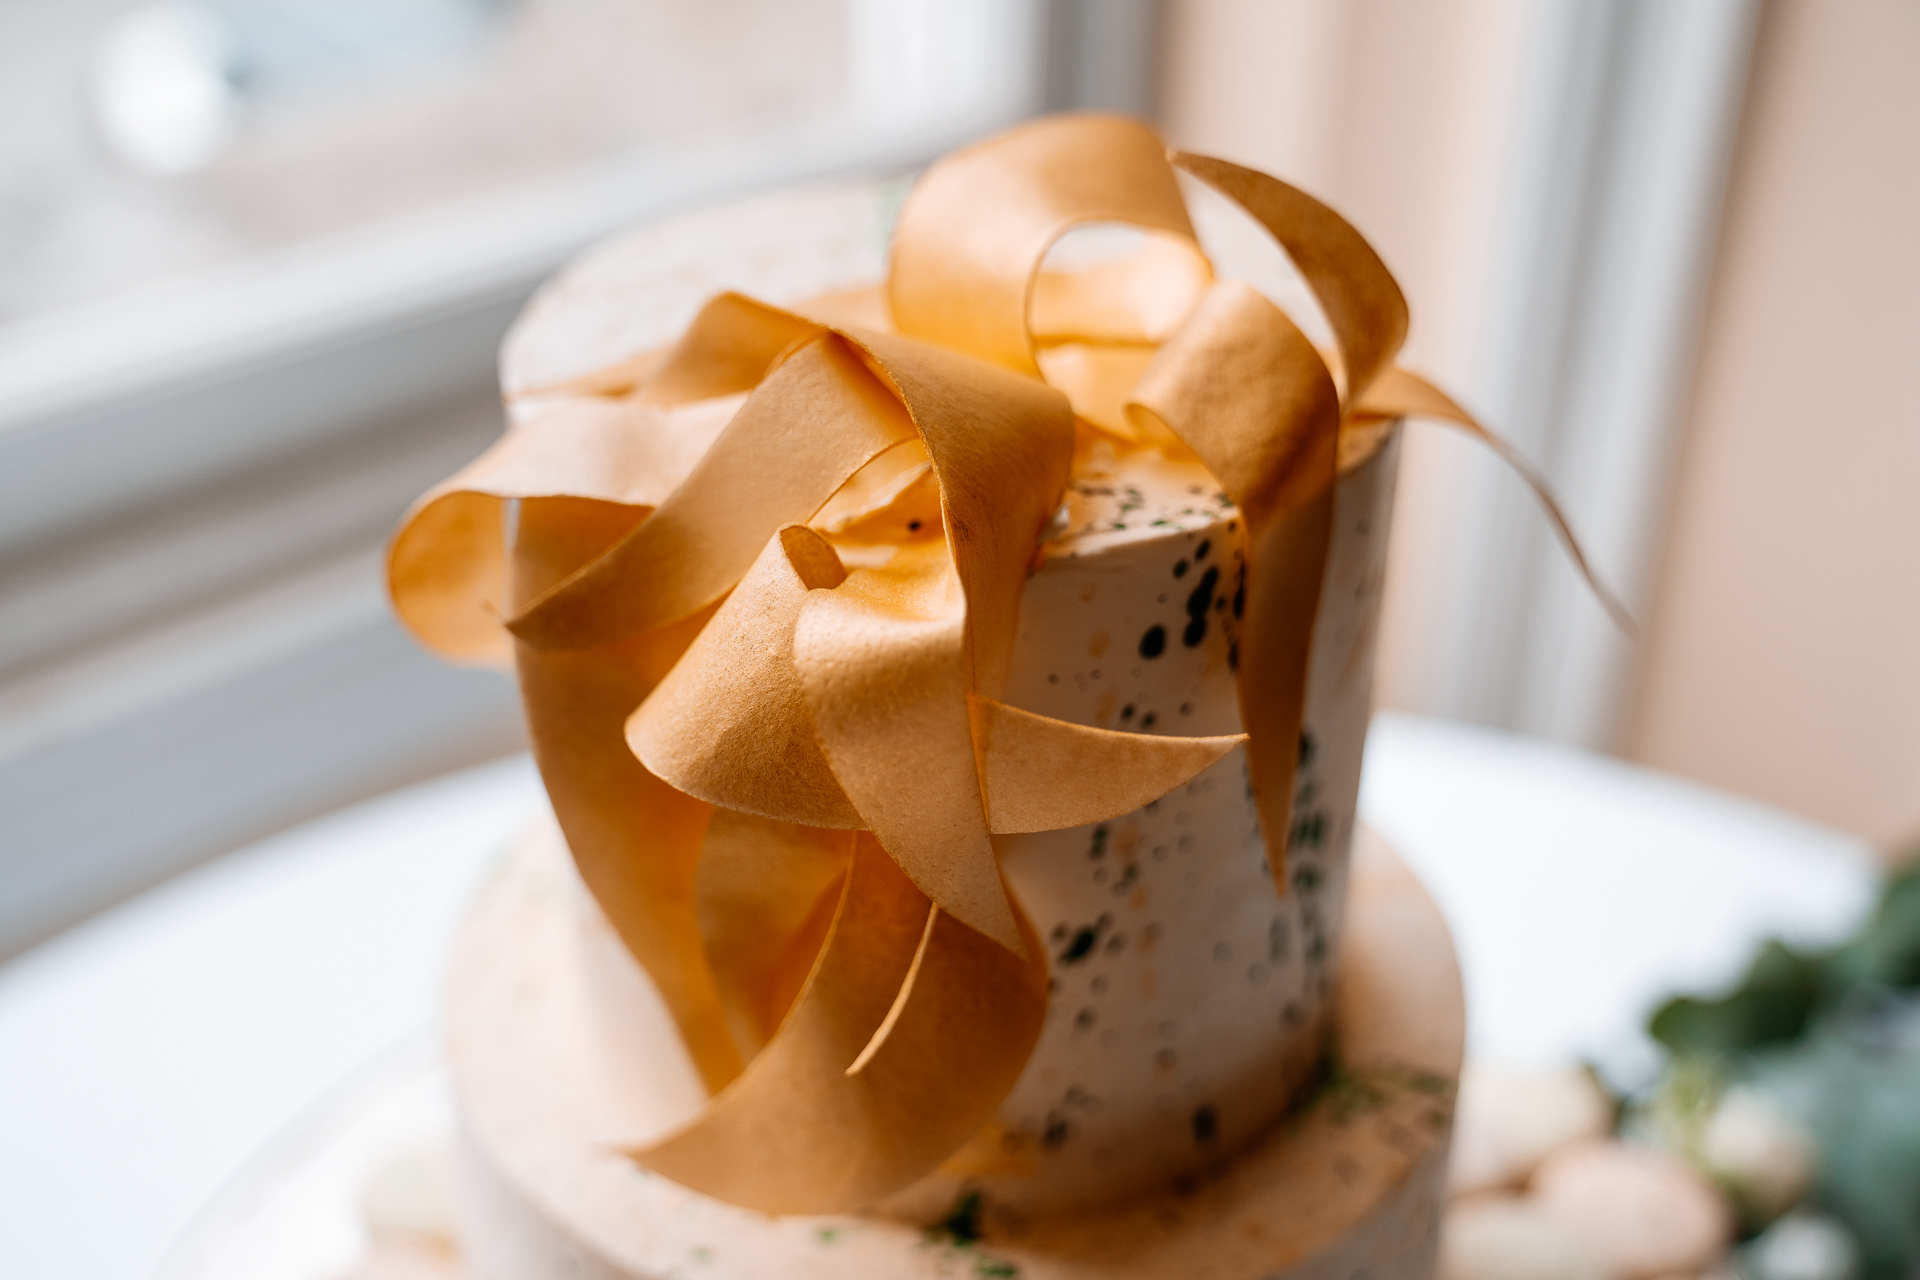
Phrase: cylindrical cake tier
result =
(1350, 1184)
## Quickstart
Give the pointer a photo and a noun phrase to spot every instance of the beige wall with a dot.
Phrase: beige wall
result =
(1783, 652)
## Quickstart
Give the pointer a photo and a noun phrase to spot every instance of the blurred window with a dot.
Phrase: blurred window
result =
(151, 140)
(256, 257)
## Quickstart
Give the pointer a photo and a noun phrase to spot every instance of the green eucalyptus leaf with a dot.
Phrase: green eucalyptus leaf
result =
(1771, 1005)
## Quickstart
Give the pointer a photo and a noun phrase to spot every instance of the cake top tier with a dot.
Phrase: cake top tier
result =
(762, 591)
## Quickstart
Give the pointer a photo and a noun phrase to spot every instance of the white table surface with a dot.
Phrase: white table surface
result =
(147, 1056)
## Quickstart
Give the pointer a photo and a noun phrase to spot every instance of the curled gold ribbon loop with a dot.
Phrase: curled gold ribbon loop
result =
(1363, 303)
(972, 233)
(898, 985)
(763, 592)
(818, 418)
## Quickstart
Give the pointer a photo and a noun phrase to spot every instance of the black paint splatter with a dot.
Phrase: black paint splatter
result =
(1202, 595)
(1198, 602)
(1154, 642)
(1084, 940)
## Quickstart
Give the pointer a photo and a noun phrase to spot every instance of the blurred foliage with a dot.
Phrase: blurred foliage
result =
(1770, 1006)
(1834, 1038)
(1784, 989)
(1854, 1081)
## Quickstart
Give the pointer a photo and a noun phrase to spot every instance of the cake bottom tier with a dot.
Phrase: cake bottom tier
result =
(1349, 1184)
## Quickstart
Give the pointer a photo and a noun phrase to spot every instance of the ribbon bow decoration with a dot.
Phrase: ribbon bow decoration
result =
(762, 593)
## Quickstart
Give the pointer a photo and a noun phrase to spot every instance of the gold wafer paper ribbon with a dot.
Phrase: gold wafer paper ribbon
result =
(762, 590)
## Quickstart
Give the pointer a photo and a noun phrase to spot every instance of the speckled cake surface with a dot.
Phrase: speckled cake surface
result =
(1347, 1184)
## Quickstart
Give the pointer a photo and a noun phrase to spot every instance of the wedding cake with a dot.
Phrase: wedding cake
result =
(945, 621)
